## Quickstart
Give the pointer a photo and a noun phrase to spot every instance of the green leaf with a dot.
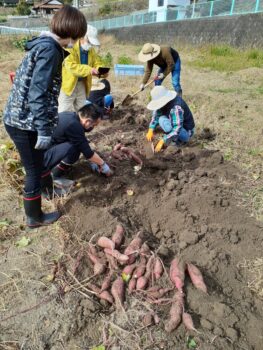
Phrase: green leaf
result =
(23, 242)
(100, 347)
(125, 277)
(191, 344)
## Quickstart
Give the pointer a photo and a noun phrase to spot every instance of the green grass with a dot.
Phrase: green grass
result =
(225, 58)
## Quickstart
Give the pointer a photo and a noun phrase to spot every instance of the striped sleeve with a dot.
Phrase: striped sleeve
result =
(155, 120)
(177, 118)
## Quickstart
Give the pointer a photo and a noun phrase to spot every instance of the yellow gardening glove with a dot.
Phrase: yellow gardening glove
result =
(149, 135)
(159, 146)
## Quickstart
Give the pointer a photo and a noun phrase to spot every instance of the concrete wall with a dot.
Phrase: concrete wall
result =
(239, 31)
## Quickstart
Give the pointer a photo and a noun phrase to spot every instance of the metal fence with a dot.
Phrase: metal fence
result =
(196, 10)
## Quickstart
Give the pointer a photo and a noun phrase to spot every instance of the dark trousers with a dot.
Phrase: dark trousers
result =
(31, 158)
(65, 152)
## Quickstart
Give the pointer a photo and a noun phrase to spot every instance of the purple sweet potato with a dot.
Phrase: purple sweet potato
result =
(117, 255)
(140, 269)
(175, 312)
(117, 291)
(157, 268)
(196, 277)
(105, 242)
(132, 285)
(118, 236)
(142, 283)
(177, 273)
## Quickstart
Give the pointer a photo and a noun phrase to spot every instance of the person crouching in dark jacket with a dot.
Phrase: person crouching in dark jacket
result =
(69, 142)
(173, 115)
(30, 115)
(100, 95)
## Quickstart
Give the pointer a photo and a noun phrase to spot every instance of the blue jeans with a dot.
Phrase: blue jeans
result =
(176, 74)
(31, 158)
(183, 136)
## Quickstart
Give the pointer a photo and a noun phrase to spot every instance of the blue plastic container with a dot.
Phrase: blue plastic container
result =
(128, 69)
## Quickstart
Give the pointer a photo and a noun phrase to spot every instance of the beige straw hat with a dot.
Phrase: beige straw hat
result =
(160, 97)
(149, 52)
(97, 85)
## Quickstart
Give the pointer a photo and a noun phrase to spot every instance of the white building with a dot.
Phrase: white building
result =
(160, 6)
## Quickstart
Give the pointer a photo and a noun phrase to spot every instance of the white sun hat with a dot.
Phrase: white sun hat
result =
(149, 52)
(160, 97)
(92, 35)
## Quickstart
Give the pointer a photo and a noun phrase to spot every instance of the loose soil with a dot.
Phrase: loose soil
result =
(185, 202)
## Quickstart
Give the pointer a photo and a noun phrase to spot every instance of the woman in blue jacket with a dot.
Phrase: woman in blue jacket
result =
(31, 113)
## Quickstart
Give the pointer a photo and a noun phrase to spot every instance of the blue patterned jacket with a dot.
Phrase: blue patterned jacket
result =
(33, 101)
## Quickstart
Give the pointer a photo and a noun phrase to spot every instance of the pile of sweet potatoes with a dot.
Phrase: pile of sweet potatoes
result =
(133, 269)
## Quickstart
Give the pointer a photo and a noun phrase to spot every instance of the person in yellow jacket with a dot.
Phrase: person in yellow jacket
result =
(77, 71)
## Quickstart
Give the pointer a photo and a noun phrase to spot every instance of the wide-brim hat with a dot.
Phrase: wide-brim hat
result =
(149, 52)
(97, 85)
(160, 97)
(92, 35)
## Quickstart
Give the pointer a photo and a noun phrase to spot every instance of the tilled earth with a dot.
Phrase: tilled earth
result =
(184, 201)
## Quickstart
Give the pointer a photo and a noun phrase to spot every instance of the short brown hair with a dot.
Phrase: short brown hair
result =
(69, 22)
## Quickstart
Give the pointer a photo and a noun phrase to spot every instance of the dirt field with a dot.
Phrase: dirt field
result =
(202, 202)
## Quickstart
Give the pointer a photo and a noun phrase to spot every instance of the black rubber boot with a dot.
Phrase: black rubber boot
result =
(34, 215)
(61, 170)
(47, 188)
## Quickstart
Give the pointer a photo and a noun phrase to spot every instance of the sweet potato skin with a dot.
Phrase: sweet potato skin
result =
(177, 273)
(118, 236)
(105, 242)
(196, 277)
(117, 291)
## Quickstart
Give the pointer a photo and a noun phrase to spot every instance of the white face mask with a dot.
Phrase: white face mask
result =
(86, 46)
(70, 45)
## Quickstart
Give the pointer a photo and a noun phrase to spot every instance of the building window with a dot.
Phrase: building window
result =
(160, 3)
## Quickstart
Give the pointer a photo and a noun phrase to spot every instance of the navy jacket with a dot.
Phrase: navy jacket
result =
(188, 119)
(33, 101)
(70, 130)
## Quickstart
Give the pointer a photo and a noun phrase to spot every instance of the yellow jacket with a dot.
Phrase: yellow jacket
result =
(72, 69)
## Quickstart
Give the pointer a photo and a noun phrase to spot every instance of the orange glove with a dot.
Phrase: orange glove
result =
(149, 135)
(159, 146)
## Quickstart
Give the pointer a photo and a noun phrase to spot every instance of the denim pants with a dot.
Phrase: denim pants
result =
(183, 136)
(31, 158)
(65, 152)
(176, 73)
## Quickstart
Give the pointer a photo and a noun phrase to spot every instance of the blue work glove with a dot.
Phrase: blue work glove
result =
(43, 142)
(105, 169)
(94, 167)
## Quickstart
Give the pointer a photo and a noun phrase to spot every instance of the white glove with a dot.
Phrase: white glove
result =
(142, 87)
(94, 167)
(160, 76)
(43, 142)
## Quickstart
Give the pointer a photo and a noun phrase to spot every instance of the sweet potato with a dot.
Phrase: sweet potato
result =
(140, 269)
(99, 268)
(148, 319)
(105, 242)
(106, 282)
(157, 294)
(118, 236)
(136, 158)
(117, 255)
(128, 270)
(188, 322)
(175, 313)
(117, 155)
(117, 291)
(141, 283)
(177, 273)
(93, 258)
(157, 268)
(145, 250)
(92, 249)
(117, 147)
(133, 248)
(132, 285)
(105, 295)
(112, 262)
(196, 277)
(94, 288)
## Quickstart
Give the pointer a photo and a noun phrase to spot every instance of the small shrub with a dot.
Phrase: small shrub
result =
(105, 10)
(107, 60)
(124, 60)
(23, 9)
(221, 51)
(20, 43)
